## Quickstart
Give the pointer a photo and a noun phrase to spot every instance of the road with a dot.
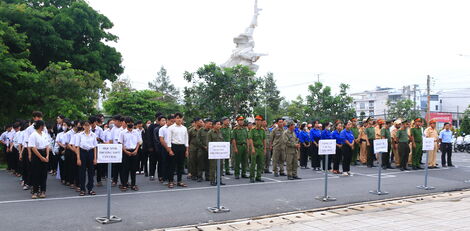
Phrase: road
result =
(156, 206)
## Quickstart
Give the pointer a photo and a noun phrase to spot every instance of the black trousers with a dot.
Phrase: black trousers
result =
(116, 169)
(404, 150)
(176, 162)
(386, 156)
(87, 168)
(304, 153)
(323, 161)
(39, 172)
(370, 153)
(337, 158)
(72, 168)
(143, 160)
(61, 163)
(315, 157)
(163, 165)
(9, 158)
(129, 165)
(25, 167)
(15, 160)
(347, 155)
(446, 149)
(156, 162)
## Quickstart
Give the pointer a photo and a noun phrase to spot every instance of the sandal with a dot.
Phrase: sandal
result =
(34, 196)
(77, 189)
(171, 185)
(135, 188)
(124, 188)
(91, 192)
(82, 193)
(181, 184)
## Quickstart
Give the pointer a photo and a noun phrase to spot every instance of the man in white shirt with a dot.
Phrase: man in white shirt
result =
(131, 140)
(115, 132)
(100, 168)
(163, 135)
(178, 143)
(6, 145)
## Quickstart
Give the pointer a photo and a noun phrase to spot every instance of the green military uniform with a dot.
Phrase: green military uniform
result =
(290, 140)
(240, 135)
(226, 133)
(403, 147)
(417, 151)
(385, 133)
(202, 155)
(214, 136)
(193, 151)
(279, 151)
(355, 152)
(370, 132)
(258, 137)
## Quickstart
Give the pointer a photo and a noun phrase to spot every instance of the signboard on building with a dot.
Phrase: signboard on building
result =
(441, 117)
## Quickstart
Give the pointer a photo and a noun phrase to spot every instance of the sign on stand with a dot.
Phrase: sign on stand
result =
(218, 151)
(380, 147)
(109, 153)
(326, 148)
(428, 145)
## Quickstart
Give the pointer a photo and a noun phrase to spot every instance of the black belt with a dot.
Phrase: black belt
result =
(86, 150)
(177, 144)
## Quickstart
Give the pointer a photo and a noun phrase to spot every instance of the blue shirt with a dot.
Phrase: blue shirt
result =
(325, 135)
(304, 137)
(315, 135)
(347, 135)
(335, 135)
(446, 136)
(297, 131)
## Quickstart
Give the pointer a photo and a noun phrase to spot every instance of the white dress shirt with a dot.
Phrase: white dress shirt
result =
(85, 141)
(163, 132)
(177, 135)
(115, 133)
(99, 132)
(30, 131)
(38, 141)
(73, 138)
(130, 139)
(18, 139)
(106, 135)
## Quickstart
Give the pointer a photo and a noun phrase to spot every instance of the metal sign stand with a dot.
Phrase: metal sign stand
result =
(425, 186)
(219, 208)
(325, 197)
(379, 181)
(109, 219)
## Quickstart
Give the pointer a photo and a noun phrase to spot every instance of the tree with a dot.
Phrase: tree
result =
(402, 109)
(140, 105)
(217, 92)
(465, 124)
(270, 99)
(295, 109)
(162, 84)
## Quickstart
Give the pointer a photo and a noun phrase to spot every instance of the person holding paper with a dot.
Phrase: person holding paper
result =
(403, 144)
(339, 145)
(431, 132)
(347, 136)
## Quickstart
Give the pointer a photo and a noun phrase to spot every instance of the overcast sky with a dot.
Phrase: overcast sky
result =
(365, 43)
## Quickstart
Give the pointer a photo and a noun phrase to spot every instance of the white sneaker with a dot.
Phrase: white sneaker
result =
(345, 174)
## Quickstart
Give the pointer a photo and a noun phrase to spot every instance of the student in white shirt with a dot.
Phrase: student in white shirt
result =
(115, 131)
(6, 143)
(86, 159)
(71, 167)
(14, 150)
(131, 140)
(163, 134)
(100, 168)
(177, 149)
(39, 145)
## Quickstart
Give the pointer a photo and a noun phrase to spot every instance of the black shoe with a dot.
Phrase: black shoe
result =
(419, 167)
(237, 177)
(244, 176)
(384, 167)
(307, 167)
(444, 165)
(207, 179)
(290, 178)
(406, 169)
(252, 180)
(267, 172)
(259, 180)
(296, 178)
(414, 168)
(222, 183)
(282, 174)
(451, 165)
(199, 179)
(390, 167)
(276, 174)
(228, 173)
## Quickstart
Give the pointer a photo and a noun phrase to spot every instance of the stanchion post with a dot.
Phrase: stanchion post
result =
(380, 146)
(218, 148)
(428, 145)
(326, 147)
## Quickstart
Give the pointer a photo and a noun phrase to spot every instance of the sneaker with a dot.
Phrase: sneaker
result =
(345, 174)
(25, 187)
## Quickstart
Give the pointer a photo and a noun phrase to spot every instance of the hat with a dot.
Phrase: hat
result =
(433, 121)
(418, 120)
(224, 118)
(353, 118)
(380, 121)
(258, 117)
(240, 118)
(398, 121)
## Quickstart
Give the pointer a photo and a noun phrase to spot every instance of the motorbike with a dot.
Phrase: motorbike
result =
(459, 145)
(466, 142)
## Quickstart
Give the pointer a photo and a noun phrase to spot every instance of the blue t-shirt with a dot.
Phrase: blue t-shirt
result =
(336, 135)
(446, 136)
(325, 135)
(315, 135)
(347, 135)
(304, 137)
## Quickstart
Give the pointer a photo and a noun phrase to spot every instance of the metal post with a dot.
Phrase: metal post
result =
(325, 196)
(109, 219)
(379, 180)
(219, 208)
(425, 186)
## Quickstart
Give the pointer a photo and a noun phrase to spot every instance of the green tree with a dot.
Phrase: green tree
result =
(465, 123)
(162, 84)
(270, 99)
(217, 92)
(295, 109)
(402, 109)
(140, 105)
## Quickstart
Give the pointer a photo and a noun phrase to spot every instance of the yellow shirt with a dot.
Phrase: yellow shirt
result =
(431, 133)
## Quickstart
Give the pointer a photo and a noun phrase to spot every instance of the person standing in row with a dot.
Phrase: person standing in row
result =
(150, 139)
(62, 147)
(279, 150)
(240, 147)
(396, 153)
(215, 135)
(347, 138)
(417, 144)
(158, 162)
(226, 132)
(445, 137)
(304, 139)
(315, 135)
(339, 146)
(292, 146)
(86, 142)
(267, 160)
(115, 134)
(403, 140)
(163, 136)
(356, 149)
(370, 131)
(131, 141)
(385, 134)
(257, 142)
(326, 135)
(431, 132)
(39, 158)
(177, 150)
(193, 148)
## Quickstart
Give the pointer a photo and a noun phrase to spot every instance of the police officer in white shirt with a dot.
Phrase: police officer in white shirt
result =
(86, 159)
(39, 146)
(131, 140)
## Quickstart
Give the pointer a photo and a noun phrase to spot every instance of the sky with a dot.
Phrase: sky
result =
(364, 43)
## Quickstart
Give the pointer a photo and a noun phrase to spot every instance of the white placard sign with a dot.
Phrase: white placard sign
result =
(428, 144)
(219, 150)
(380, 145)
(327, 147)
(109, 153)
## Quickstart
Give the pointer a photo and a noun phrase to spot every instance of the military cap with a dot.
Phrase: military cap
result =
(258, 117)
(240, 118)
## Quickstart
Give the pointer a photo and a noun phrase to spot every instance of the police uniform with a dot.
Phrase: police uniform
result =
(417, 148)
(385, 134)
(355, 151)
(226, 133)
(202, 156)
(403, 146)
(432, 133)
(370, 131)
(257, 139)
(279, 151)
(193, 152)
(240, 139)
(290, 142)
(214, 135)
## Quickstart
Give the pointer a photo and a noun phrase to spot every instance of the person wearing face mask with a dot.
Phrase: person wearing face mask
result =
(86, 142)
(39, 159)
(131, 140)
(115, 133)
(61, 149)
(75, 153)
(305, 142)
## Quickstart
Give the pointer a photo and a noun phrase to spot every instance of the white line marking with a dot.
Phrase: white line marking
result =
(271, 179)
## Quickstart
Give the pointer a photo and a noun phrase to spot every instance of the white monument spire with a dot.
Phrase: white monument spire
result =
(243, 53)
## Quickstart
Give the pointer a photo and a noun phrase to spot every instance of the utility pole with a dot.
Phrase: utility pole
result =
(428, 111)
(414, 97)
(458, 119)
